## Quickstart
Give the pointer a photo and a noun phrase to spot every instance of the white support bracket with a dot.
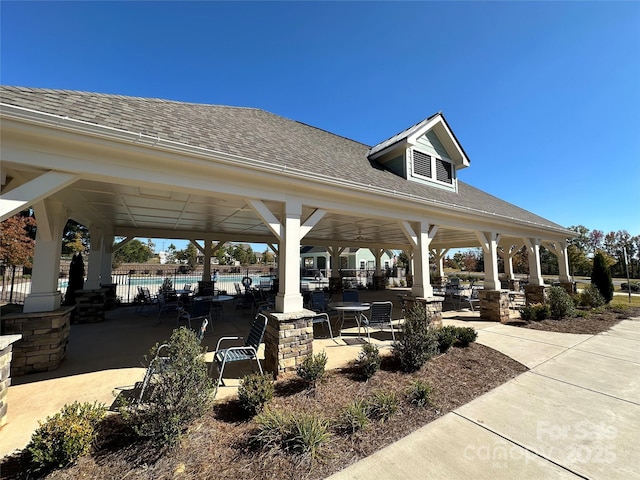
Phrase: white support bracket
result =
(311, 222)
(267, 217)
(33, 191)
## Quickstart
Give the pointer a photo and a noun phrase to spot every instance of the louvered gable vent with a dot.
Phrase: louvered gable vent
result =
(421, 164)
(443, 171)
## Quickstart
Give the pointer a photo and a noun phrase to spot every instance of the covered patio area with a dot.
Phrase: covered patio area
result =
(128, 167)
(107, 358)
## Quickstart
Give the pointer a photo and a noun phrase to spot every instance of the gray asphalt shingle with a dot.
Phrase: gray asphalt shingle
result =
(252, 133)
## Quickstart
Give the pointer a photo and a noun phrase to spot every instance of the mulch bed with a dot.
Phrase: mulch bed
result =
(591, 323)
(218, 445)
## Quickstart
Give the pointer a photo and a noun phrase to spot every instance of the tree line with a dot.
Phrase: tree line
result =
(17, 235)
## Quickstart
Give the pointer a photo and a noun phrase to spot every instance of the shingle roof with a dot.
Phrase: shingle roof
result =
(255, 134)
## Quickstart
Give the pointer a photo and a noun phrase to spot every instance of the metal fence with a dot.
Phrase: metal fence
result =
(16, 285)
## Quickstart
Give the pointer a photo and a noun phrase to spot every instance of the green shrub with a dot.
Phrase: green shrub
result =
(560, 303)
(591, 297)
(634, 287)
(311, 370)
(419, 341)
(465, 336)
(601, 277)
(354, 417)
(535, 311)
(255, 391)
(66, 436)
(383, 405)
(446, 337)
(369, 360)
(180, 393)
(303, 434)
(420, 394)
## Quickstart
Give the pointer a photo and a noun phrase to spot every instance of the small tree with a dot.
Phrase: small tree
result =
(419, 341)
(601, 277)
(76, 279)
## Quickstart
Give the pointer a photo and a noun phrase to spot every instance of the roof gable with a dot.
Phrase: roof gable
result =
(433, 132)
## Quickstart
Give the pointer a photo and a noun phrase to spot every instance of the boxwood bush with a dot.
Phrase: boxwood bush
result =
(66, 436)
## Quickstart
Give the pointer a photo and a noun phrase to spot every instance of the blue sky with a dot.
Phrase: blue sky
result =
(543, 96)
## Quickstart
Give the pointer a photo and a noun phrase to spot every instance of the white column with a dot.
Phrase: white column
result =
(421, 279)
(289, 298)
(94, 262)
(559, 249)
(438, 255)
(489, 243)
(106, 259)
(51, 217)
(507, 257)
(335, 252)
(535, 272)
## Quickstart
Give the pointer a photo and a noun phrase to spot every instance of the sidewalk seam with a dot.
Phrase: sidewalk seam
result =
(538, 341)
(584, 388)
(520, 445)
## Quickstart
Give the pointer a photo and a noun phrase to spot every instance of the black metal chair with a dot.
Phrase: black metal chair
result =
(247, 351)
(379, 314)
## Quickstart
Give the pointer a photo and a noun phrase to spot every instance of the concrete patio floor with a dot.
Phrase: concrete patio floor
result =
(105, 358)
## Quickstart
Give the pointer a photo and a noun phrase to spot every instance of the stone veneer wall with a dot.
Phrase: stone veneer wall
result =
(288, 339)
(494, 305)
(5, 373)
(432, 306)
(44, 339)
(569, 287)
(535, 294)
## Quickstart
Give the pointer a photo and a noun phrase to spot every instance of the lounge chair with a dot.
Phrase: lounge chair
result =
(379, 314)
(162, 360)
(247, 351)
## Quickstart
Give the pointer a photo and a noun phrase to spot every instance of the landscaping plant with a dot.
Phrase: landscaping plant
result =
(180, 393)
(354, 417)
(295, 433)
(591, 297)
(369, 360)
(383, 405)
(601, 277)
(465, 336)
(419, 340)
(420, 393)
(311, 370)
(446, 337)
(560, 303)
(255, 391)
(66, 436)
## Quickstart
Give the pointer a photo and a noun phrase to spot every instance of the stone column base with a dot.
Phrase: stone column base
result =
(431, 305)
(5, 373)
(569, 287)
(494, 305)
(44, 339)
(535, 294)
(288, 340)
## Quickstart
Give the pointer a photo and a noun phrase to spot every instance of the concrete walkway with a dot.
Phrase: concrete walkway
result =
(575, 414)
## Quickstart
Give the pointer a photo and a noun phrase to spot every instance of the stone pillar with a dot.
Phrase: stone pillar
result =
(5, 373)
(288, 340)
(44, 339)
(494, 305)
(431, 305)
(569, 287)
(535, 294)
